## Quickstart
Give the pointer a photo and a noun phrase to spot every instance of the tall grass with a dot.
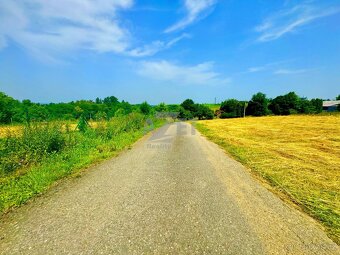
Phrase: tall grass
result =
(44, 153)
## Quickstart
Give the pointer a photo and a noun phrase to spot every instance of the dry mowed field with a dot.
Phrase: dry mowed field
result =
(298, 155)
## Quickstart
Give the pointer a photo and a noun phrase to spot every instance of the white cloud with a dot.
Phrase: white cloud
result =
(290, 71)
(41, 25)
(266, 67)
(51, 29)
(153, 48)
(256, 69)
(289, 20)
(194, 9)
(201, 74)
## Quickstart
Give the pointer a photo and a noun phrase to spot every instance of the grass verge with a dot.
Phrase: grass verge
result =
(297, 155)
(29, 165)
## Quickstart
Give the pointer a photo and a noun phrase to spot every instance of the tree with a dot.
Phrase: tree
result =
(189, 105)
(110, 100)
(305, 106)
(8, 108)
(145, 108)
(317, 105)
(99, 101)
(204, 112)
(184, 114)
(232, 108)
(161, 107)
(338, 98)
(285, 105)
(258, 105)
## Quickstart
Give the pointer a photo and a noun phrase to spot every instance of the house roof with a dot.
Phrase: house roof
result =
(330, 103)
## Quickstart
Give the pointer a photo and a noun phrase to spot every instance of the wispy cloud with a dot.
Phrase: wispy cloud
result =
(201, 74)
(153, 48)
(291, 71)
(196, 9)
(51, 29)
(289, 20)
(266, 67)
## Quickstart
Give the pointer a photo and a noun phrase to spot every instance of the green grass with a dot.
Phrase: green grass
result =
(33, 169)
(213, 107)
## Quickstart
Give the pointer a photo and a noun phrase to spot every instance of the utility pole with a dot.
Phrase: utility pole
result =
(215, 100)
(244, 109)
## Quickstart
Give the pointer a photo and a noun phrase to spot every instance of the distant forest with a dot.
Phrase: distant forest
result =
(25, 111)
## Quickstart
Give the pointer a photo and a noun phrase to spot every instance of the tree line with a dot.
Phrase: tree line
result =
(25, 111)
(260, 105)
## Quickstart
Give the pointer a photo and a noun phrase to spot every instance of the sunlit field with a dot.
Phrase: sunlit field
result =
(298, 155)
(16, 129)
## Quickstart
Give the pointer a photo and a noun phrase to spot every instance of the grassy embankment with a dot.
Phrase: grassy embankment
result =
(42, 154)
(298, 155)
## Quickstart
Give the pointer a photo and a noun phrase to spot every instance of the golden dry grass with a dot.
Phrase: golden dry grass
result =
(17, 129)
(298, 155)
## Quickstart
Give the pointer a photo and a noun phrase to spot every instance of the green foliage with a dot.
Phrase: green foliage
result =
(185, 114)
(26, 111)
(145, 108)
(317, 105)
(188, 110)
(82, 125)
(161, 107)
(35, 143)
(285, 105)
(292, 104)
(189, 105)
(232, 108)
(204, 112)
(46, 152)
(258, 105)
(8, 108)
(338, 98)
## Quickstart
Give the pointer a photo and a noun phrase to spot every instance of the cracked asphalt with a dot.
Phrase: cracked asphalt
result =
(174, 192)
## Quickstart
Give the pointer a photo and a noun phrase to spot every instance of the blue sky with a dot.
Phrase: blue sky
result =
(169, 50)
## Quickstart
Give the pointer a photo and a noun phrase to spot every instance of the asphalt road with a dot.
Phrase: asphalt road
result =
(173, 193)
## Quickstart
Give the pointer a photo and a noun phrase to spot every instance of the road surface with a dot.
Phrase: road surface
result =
(174, 192)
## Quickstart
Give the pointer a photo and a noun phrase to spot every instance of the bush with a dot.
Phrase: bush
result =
(204, 112)
(232, 108)
(258, 105)
(145, 108)
(35, 143)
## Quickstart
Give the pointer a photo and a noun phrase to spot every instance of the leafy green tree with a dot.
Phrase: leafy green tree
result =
(305, 106)
(99, 116)
(185, 114)
(317, 105)
(258, 105)
(338, 98)
(173, 107)
(161, 107)
(8, 108)
(145, 108)
(189, 105)
(204, 112)
(232, 108)
(83, 125)
(98, 101)
(286, 104)
(110, 100)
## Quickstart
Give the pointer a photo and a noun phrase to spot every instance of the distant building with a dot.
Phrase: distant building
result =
(330, 106)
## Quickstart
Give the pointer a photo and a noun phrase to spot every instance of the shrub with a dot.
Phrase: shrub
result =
(258, 105)
(232, 108)
(35, 143)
